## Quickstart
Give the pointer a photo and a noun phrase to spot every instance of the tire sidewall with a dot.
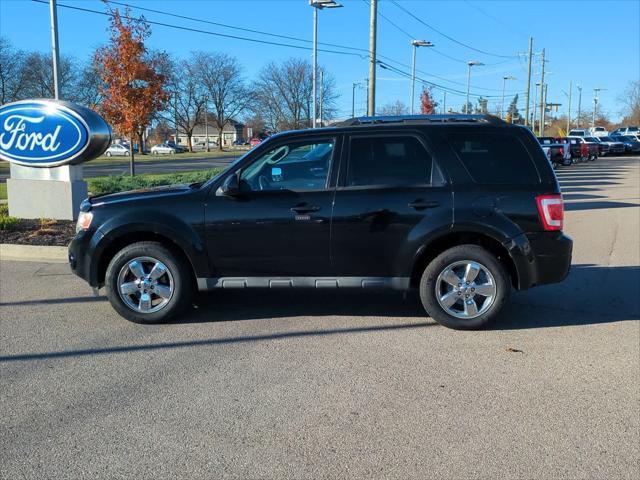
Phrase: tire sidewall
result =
(455, 254)
(183, 288)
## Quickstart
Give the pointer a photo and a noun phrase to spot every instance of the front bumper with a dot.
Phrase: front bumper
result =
(80, 258)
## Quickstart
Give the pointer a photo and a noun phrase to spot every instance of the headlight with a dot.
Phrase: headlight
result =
(84, 221)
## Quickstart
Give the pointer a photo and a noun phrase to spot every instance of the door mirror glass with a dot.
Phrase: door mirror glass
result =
(230, 187)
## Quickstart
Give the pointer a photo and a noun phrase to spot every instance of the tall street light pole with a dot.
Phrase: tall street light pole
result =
(595, 104)
(415, 44)
(569, 112)
(317, 5)
(541, 129)
(55, 49)
(526, 111)
(579, 105)
(535, 109)
(472, 63)
(504, 82)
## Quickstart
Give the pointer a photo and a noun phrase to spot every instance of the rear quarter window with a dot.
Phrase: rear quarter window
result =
(495, 158)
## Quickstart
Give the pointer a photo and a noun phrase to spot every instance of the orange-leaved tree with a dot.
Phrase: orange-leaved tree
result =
(132, 79)
(427, 104)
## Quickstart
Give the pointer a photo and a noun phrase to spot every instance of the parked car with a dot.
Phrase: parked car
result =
(579, 132)
(202, 146)
(581, 150)
(615, 146)
(162, 150)
(603, 148)
(255, 141)
(239, 141)
(597, 132)
(117, 149)
(631, 144)
(176, 148)
(366, 204)
(556, 150)
(625, 131)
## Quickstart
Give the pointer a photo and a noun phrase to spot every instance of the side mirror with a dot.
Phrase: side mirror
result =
(230, 187)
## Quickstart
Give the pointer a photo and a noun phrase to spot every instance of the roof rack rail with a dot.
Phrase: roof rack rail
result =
(421, 119)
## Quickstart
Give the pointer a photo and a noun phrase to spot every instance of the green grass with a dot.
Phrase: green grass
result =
(122, 183)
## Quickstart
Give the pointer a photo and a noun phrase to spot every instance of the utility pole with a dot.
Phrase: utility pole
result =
(526, 114)
(569, 114)
(579, 105)
(371, 94)
(206, 124)
(55, 49)
(367, 106)
(353, 99)
(543, 109)
(541, 129)
(535, 109)
(321, 94)
(314, 67)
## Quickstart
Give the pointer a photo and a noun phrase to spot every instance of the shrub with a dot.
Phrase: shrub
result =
(122, 183)
(4, 209)
(7, 222)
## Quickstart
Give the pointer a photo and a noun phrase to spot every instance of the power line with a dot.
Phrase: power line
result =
(250, 30)
(448, 36)
(207, 32)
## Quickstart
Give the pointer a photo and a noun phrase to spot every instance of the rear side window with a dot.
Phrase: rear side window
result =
(388, 161)
(494, 159)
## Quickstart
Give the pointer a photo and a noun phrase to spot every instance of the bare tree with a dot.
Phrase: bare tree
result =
(227, 93)
(39, 77)
(631, 100)
(188, 98)
(283, 95)
(394, 108)
(12, 72)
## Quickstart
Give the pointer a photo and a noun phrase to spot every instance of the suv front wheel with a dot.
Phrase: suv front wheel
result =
(147, 283)
(464, 287)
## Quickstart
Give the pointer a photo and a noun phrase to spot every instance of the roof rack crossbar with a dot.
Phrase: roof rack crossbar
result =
(422, 119)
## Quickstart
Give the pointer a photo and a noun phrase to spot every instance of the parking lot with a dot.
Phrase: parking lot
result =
(336, 385)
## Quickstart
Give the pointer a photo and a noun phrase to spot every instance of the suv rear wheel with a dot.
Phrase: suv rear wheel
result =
(147, 283)
(464, 287)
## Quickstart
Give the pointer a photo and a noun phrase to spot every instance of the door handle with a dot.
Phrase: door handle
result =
(420, 204)
(305, 208)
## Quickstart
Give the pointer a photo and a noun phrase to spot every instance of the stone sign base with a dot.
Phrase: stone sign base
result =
(46, 192)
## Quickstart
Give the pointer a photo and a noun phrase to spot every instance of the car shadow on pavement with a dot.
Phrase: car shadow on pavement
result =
(55, 301)
(591, 294)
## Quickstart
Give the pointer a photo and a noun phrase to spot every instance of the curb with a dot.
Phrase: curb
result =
(33, 253)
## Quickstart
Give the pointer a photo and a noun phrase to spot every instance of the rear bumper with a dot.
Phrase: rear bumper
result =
(541, 258)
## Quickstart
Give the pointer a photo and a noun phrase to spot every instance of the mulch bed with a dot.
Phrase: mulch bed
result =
(40, 232)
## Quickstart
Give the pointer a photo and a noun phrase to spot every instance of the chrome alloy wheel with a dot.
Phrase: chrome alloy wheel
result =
(145, 284)
(465, 289)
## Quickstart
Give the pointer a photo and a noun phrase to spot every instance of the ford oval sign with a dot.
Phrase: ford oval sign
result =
(50, 133)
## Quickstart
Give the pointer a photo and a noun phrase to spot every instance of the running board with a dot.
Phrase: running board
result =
(394, 283)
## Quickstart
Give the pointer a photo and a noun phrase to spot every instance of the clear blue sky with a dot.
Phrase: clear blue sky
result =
(592, 43)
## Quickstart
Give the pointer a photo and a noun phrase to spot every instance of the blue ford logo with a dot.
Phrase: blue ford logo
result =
(48, 133)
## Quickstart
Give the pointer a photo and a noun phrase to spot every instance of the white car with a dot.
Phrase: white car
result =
(162, 150)
(117, 149)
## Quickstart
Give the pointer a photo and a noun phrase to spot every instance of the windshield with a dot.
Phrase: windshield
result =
(627, 138)
(606, 139)
(591, 139)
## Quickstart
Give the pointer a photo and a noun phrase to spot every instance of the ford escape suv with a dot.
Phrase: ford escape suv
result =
(462, 208)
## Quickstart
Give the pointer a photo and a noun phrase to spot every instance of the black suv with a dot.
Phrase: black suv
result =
(461, 208)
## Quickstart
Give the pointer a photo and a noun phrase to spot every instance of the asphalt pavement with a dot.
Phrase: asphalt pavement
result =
(336, 384)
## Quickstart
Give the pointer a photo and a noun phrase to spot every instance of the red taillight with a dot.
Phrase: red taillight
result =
(562, 151)
(551, 211)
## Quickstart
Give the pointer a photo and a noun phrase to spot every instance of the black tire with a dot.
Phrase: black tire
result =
(108, 154)
(180, 271)
(462, 253)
